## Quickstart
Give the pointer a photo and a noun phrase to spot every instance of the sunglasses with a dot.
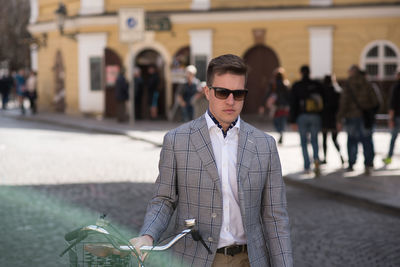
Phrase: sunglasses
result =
(223, 93)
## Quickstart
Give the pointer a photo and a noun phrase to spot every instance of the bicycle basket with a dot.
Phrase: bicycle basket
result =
(81, 255)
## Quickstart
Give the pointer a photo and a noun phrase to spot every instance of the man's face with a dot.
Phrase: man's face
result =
(189, 76)
(225, 110)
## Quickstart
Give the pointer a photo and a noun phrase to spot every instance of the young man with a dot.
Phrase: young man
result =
(358, 94)
(225, 174)
(187, 91)
(306, 105)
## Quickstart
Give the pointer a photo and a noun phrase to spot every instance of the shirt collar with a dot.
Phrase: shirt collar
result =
(213, 122)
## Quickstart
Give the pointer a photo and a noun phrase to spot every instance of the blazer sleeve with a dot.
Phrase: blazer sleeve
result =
(163, 203)
(274, 213)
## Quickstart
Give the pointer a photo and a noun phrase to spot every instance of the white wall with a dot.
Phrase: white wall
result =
(321, 51)
(34, 57)
(89, 45)
(34, 11)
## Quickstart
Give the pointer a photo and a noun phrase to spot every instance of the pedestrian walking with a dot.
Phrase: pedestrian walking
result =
(358, 104)
(31, 90)
(139, 84)
(187, 91)
(153, 83)
(6, 84)
(121, 95)
(199, 101)
(277, 101)
(20, 85)
(226, 174)
(331, 98)
(306, 105)
(394, 117)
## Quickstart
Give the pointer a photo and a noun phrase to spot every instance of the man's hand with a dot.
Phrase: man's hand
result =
(294, 126)
(138, 242)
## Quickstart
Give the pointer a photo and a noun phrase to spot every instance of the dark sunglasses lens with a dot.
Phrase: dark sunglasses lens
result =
(239, 94)
(224, 93)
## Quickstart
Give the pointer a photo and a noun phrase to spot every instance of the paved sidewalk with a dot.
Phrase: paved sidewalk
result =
(382, 188)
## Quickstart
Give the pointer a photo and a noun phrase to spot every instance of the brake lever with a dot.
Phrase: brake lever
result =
(197, 237)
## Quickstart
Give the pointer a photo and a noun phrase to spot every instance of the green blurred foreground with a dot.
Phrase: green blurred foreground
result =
(33, 226)
(34, 222)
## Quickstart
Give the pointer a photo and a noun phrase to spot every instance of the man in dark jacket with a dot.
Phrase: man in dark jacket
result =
(6, 83)
(357, 95)
(306, 104)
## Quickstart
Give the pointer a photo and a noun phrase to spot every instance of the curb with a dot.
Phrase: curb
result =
(369, 202)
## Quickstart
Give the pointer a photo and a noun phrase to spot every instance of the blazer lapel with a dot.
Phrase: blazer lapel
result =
(200, 139)
(246, 151)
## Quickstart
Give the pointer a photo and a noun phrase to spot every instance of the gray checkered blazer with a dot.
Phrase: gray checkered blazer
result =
(188, 181)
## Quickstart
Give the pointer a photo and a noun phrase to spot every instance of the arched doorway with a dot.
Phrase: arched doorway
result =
(150, 98)
(262, 61)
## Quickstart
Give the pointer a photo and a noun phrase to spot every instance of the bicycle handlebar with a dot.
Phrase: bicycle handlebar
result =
(105, 249)
(159, 248)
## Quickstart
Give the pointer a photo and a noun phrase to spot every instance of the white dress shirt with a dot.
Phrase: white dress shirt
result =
(225, 152)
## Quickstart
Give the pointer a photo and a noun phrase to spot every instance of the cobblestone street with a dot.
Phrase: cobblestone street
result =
(56, 179)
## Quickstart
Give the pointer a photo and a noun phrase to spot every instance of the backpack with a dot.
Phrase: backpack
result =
(313, 103)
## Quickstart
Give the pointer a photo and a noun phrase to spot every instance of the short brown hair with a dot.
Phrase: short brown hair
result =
(226, 64)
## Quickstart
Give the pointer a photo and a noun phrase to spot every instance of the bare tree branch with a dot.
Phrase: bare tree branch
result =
(14, 19)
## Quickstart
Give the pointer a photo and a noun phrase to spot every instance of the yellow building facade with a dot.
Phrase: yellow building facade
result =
(77, 67)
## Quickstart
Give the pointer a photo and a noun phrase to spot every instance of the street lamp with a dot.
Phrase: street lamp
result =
(61, 15)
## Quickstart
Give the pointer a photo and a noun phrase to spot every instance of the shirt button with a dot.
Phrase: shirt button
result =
(213, 215)
(210, 239)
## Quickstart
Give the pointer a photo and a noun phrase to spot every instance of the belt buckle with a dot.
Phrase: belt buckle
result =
(226, 251)
(230, 250)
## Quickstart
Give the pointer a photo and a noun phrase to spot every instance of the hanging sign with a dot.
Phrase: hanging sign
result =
(131, 24)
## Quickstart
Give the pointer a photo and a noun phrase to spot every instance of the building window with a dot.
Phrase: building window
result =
(200, 61)
(380, 60)
(200, 4)
(320, 2)
(201, 42)
(90, 7)
(95, 73)
(321, 50)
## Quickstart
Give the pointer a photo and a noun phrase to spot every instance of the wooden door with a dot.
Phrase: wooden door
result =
(262, 61)
(112, 65)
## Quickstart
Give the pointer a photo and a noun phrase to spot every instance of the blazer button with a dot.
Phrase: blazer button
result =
(213, 215)
(210, 239)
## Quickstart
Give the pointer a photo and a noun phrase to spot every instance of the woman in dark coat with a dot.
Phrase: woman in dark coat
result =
(331, 98)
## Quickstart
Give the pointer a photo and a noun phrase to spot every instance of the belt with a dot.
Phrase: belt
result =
(232, 250)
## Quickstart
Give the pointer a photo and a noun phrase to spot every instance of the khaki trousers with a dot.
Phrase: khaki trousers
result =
(239, 260)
